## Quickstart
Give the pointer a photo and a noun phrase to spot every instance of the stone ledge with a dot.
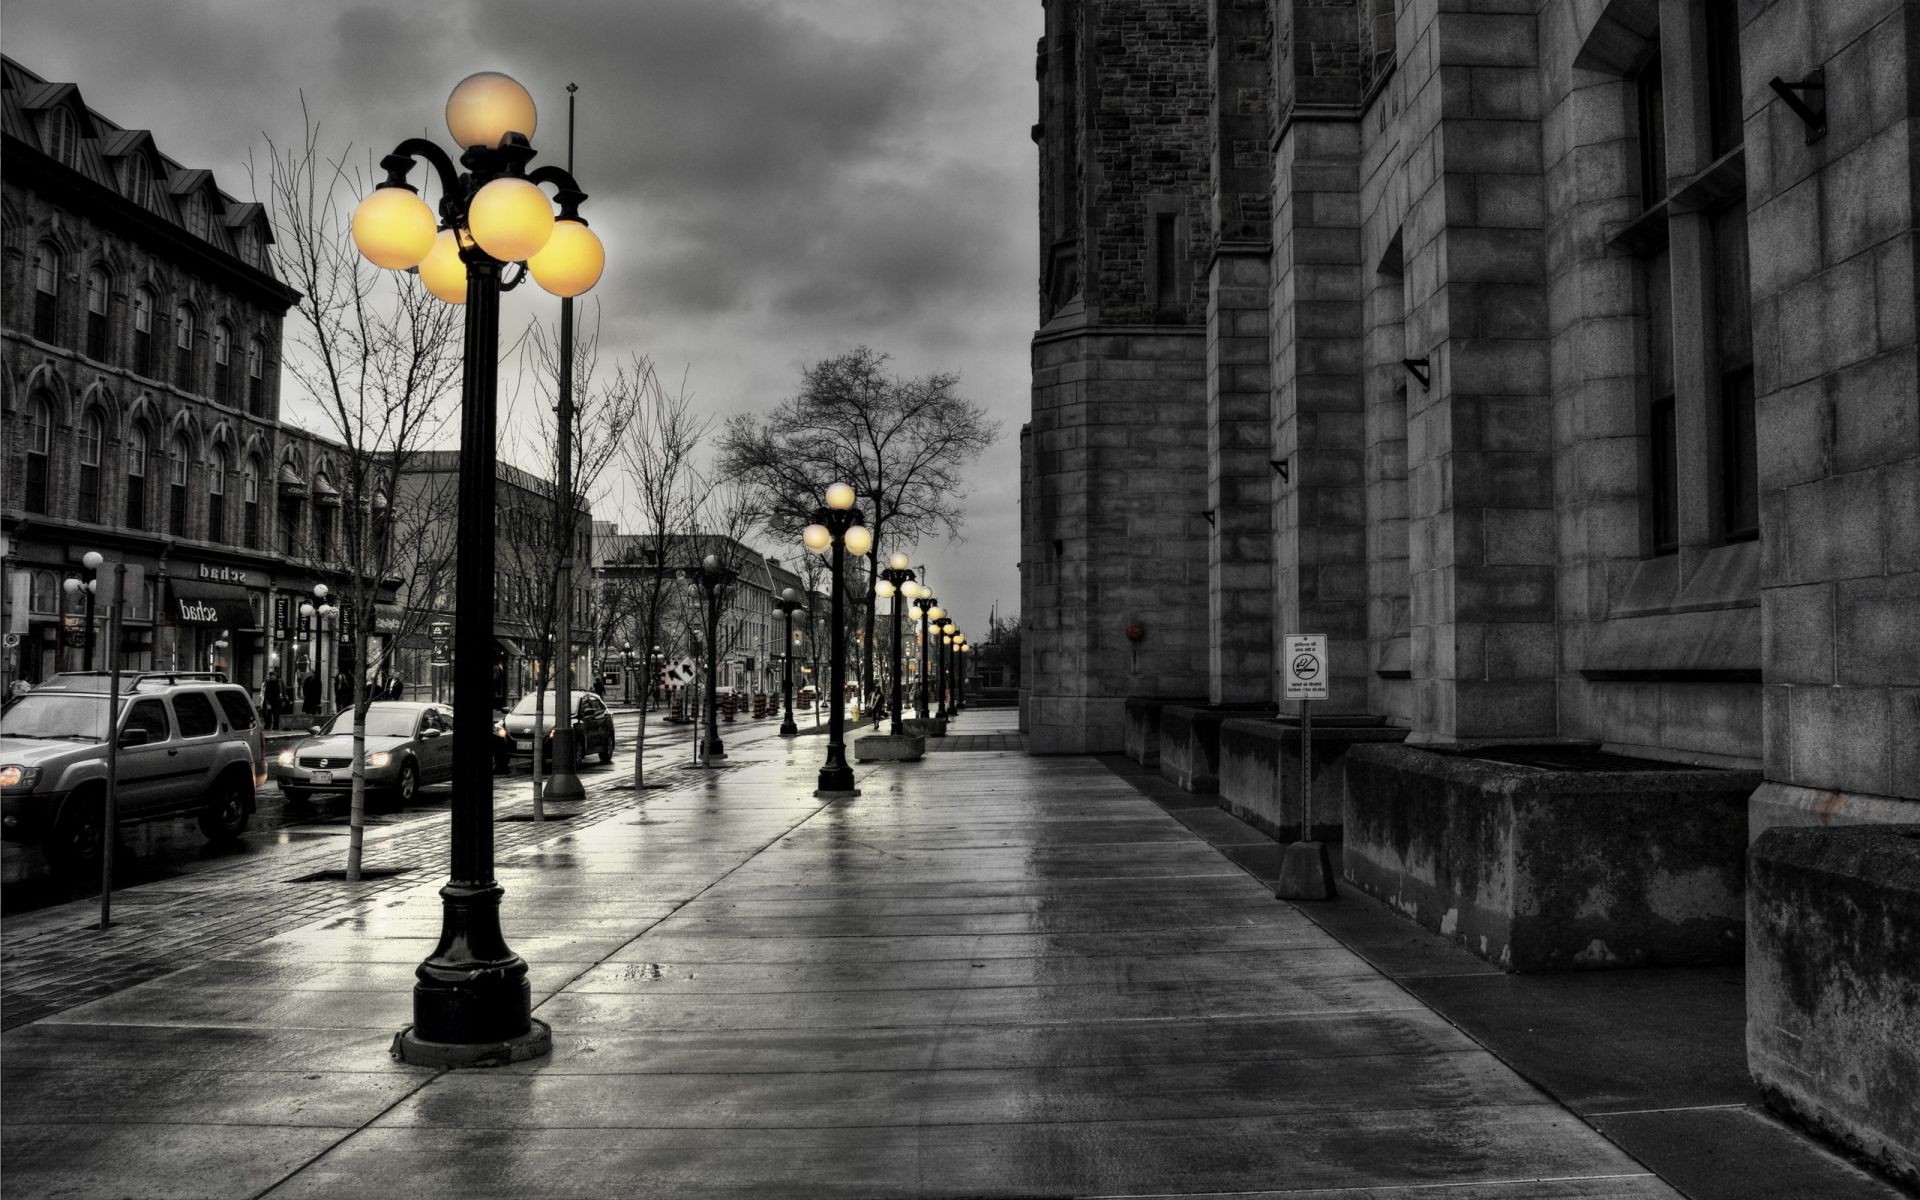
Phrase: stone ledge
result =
(1143, 725)
(885, 747)
(1259, 771)
(1538, 869)
(1833, 972)
(1190, 742)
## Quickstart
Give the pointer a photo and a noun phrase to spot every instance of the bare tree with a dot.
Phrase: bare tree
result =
(601, 415)
(901, 444)
(380, 357)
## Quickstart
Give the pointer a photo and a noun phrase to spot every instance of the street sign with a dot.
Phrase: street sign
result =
(683, 672)
(1304, 658)
(13, 641)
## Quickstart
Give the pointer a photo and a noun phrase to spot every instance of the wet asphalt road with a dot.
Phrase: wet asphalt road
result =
(153, 851)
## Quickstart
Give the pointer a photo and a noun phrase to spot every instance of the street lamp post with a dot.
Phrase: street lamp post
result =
(472, 1005)
(930, 611)
(837, 526)
(318, 610)
(626, 670)
(897, 581)
(93, 560)
(713, 575)
(955, 668)
(788, 602)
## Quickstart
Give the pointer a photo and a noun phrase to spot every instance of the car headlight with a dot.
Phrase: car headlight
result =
(379, 758)
(499, 729)
(13, 775)
(285, 759)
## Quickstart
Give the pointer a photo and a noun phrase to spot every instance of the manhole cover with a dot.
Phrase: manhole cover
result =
(340, 876)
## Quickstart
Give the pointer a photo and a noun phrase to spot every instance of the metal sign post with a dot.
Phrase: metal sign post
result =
(1306, 869)
(110, 811)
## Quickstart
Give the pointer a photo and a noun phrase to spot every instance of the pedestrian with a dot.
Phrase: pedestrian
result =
(396, 689)
(342, 690)
(310, 694)
(273, 700)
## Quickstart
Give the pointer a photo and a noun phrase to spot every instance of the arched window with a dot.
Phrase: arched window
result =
(44, 595)
(63, 142)
(46, 291)
(91, 435)
(144, 302)
(137, 448)
(177, 487)
(250, 500)
(139, 180)
(325, 500)
(39, 448)
(256, 377)
(99, 290)
(217, 495)
(183, 346)
(222, 362)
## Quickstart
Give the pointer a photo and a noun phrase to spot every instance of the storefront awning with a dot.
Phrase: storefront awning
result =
(510, 646)
(196, 602)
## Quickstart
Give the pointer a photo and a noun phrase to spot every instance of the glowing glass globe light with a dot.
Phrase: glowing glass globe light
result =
(393, 228)
(914, 613)
(899, 560)
(92, 559)
(571, 261)
(511, 219)
(817, 538)
(442, 272)
(486, 106)
(859, 540)
(840, 496)
(883, 589)
(936, 612)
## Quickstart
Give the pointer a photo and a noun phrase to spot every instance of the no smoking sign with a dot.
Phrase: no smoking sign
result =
(1305, 659)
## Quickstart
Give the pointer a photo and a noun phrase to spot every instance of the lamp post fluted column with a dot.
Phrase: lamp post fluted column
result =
(928, 606)
(713, 575)
(788, 602)
(838, 527)
(899, 580)
(472, 1005)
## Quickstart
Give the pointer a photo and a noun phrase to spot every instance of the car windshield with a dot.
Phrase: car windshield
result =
(525, 707)
(382, 721)
(57, 715)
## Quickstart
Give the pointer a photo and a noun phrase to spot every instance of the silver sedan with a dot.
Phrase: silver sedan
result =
(407, 745)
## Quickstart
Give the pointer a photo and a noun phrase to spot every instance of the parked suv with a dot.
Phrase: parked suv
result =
(189, 743)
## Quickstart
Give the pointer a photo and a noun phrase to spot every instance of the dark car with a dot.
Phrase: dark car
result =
(514, 734)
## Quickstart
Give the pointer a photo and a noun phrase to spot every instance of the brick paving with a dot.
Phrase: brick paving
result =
(54, 959)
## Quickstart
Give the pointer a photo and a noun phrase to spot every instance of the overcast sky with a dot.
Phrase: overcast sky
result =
(776, 180)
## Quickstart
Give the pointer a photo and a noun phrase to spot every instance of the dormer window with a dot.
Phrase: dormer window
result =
(139, 179)
(63, 139)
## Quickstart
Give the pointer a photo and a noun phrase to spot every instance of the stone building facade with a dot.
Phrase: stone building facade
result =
(1540, 354)
(141, 347)
(1557, 360)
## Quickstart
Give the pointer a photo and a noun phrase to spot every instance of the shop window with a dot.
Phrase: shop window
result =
(1738, 449)
(43, 593)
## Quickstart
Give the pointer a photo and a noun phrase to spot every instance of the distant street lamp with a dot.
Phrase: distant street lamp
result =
(837, 526)
(713, 575)
(930, 611)
(626, 670)
(116, 590)
(319, 612)
(788, 602)
(897, 582)
(472, 1005)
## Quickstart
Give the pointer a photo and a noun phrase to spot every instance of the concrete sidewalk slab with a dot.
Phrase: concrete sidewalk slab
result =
(988, 975)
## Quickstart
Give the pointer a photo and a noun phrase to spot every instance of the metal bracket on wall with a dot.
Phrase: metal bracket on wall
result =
(1813, 109)
(1208, 514)
(1280, 466)
(1418, 368)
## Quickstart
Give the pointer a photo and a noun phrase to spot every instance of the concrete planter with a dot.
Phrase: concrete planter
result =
(1190, 743)
(1143, 725)
(1259, 771)
(1541, 868)
(924, 727)
(885, 747)
(1833, 970)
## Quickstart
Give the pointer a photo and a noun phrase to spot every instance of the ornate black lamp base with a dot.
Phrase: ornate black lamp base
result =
(836, 781)
(789, 729)
(536, 1042)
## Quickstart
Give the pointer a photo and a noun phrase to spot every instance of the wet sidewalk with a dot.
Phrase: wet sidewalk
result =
(987, 975)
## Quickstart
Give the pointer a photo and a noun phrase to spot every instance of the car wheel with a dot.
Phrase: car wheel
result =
(403, 792)
(74, 840)
(225, 817)
(606, 748)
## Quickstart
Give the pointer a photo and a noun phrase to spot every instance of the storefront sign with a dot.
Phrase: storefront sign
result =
(225, 574)
(387, 618)
(192, 603)
(282, 617)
